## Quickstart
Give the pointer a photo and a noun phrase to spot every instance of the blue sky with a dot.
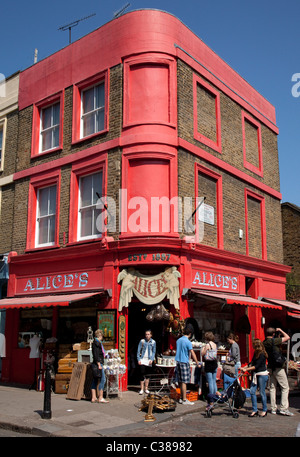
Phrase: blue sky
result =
(258, 39)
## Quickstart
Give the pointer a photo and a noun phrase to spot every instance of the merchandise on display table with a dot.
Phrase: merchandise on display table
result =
(114, 371)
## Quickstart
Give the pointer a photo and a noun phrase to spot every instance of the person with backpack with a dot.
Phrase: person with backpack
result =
(209, 353)
(276, 369)
(260, 378)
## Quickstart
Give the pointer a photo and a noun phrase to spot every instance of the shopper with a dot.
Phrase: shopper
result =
(98, 362)
(234, 352)
(260, 378)
(209, 353)
(145, 356)
(184, 350)
(276, 370)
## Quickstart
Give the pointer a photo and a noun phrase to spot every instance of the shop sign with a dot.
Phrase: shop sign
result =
(58, 283)
(149, 290)
(217, 281)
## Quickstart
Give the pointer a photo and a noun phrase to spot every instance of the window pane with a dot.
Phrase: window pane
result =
(46, 118)
(43, 230)
(97, 187)
(86, 222)
(43, 202)
(88, 100)
(1, 137)
(86, 184)
(55, 114)
(99, 96)
(55, 137)
(96, 214)
(51, 233)
(100, 120)
(52, 198)
(89, 125)
(46, 140)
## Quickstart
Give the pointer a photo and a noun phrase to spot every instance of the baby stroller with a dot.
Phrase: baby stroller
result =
(233, 396)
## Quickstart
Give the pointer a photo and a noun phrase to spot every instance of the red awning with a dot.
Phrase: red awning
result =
(235, 299)
(296, 316)
(284, 303)
(48, 300)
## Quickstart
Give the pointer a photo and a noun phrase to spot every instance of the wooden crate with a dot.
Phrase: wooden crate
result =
(61, 387)
(66, 365)
(77, 382)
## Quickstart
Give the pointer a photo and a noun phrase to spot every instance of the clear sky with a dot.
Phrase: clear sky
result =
(258, 39)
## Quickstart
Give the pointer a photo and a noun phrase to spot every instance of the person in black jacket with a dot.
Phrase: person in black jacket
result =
(259, 367)
(98, 362)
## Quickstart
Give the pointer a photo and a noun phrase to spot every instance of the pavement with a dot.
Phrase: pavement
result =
(21, 410)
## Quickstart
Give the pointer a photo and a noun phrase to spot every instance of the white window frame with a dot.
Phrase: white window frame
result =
(90, 206)
(48, 216)
(94, 111)
(51, 128)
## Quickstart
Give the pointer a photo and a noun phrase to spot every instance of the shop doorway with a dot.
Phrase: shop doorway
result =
(137, 325)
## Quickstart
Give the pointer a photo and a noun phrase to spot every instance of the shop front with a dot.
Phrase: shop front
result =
(52, 303)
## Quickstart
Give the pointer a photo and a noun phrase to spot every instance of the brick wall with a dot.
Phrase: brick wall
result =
(233, 188)
(291, 238)
(20, 199)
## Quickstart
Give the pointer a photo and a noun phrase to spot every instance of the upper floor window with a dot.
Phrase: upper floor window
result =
(50, 127)
(90, 190)
(90, 107)
(93, 106)
(47, 125)
(46, 216)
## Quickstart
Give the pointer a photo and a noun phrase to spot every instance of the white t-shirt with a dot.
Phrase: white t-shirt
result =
(34, 344)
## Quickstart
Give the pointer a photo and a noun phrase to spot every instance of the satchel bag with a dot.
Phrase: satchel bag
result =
(229, 369)
(97, 373)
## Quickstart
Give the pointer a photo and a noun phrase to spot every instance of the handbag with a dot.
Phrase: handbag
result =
(97, 373)
(211, 354)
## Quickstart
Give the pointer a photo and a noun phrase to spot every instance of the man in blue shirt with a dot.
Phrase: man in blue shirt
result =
(184, 350)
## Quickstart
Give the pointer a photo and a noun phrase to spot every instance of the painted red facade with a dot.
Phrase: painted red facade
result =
(148, 44)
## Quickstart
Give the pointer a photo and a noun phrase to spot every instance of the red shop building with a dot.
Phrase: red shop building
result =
(147, 174)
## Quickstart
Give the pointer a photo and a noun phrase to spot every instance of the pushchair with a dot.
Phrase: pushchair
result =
(233, 396)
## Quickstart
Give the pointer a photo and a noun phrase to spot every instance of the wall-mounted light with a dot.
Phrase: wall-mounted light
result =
(241, 234)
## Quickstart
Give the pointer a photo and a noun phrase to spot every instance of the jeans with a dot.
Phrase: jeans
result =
(212, 383)
(261, 381)
(102, 381)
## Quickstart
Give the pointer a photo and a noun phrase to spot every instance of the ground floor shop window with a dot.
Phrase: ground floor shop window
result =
(73, 324)
(36, 321)
(218, 322)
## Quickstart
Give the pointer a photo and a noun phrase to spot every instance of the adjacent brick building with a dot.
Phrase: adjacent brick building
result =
(184, 152)
(291, 247)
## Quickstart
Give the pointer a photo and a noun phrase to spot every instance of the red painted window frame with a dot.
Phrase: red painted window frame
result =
(261, 200)
(215, 145)
(36, 124)
(248, 165)
(219, 198)
(38, 182)
(83, 168)
(77, 91)
(148, 59)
